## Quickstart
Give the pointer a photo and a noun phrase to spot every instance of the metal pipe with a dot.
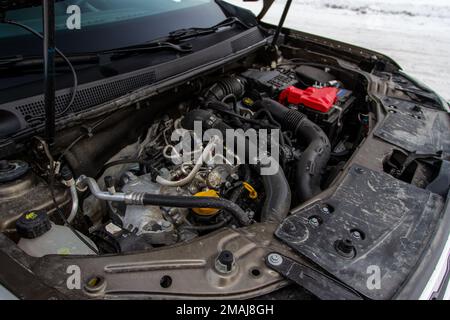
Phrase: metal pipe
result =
(199, 163)
(141, 198)
(282, 20)
(83, 182)
(74, 210)
(48, 13)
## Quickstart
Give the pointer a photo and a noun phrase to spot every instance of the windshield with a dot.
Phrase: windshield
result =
(96, 12)
(106, 24)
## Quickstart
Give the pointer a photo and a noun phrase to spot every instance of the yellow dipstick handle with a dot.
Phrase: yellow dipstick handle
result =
(252, 192)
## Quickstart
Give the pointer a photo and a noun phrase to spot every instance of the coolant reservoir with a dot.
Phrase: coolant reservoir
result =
(40, 237)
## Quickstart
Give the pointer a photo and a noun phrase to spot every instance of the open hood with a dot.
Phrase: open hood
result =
(267, 4)
(17, 4)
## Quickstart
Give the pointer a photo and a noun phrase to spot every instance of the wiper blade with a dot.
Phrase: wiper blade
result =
(10, 60)
(184, 34)
(21, 62)
(167, 43)
(151, 46)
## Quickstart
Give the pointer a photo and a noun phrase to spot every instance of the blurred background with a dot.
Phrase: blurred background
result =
(415, 33)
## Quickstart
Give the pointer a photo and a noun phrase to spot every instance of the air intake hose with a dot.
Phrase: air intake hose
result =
(313, 161)
(278, 193)
(225, 88)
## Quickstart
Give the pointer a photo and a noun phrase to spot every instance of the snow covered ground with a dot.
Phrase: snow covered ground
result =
(414, 33)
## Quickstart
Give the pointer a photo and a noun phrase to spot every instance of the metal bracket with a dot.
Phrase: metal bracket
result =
(318, 283)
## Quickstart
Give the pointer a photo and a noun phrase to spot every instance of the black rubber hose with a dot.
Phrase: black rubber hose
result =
(225, 88)
(278, 193)
(313, 161)
(278, 197)
(197, 202)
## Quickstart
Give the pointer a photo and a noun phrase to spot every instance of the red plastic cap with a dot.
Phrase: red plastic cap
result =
(319, 99)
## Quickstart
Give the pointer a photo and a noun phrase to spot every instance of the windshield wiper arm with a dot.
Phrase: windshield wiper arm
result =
(10, 60)
(184, 34)
(151, 46)
(21, 62)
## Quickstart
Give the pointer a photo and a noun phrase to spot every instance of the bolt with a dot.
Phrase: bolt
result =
(166, 224)
(314, 222)
(360, 170)
(356, 235)
(275, 259)
(325, 209)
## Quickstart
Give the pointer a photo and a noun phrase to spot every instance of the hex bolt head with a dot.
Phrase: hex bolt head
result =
(359, 170)
(325, 209)
(314, 222)
(275, 259)
(356, 235)
(166, 224)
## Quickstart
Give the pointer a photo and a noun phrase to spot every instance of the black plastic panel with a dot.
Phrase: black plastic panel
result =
(415, 128)
(99, 92)
(89, 95)
(394, 220)
(316, 282)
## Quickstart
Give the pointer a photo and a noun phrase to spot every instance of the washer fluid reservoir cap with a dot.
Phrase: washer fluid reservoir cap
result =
(33, 224)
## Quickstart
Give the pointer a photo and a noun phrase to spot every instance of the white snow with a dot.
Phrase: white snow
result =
(416, 33)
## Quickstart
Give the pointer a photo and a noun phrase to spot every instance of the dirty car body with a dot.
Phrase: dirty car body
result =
(358, 208)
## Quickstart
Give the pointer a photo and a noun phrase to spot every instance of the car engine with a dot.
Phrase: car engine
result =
(176, 183)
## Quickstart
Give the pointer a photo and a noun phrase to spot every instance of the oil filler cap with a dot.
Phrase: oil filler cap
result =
(33, 224)
(206, 212)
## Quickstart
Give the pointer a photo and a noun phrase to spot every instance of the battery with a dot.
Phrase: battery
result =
(331, 120)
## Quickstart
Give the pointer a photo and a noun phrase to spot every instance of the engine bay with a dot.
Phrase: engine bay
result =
(153, 193)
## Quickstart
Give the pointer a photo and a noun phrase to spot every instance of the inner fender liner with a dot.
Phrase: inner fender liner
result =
(415, 128)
